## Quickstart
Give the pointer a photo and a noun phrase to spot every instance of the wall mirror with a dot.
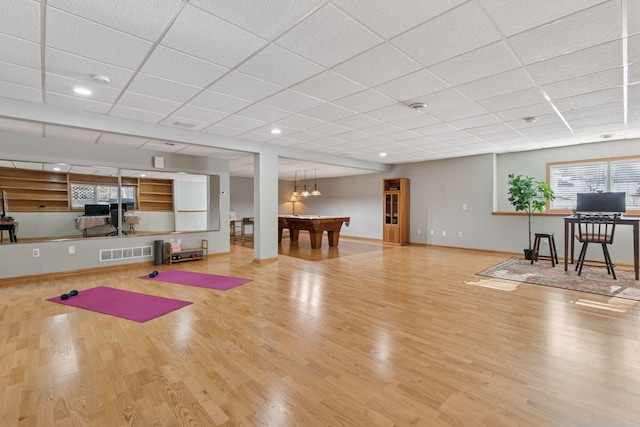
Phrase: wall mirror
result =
(51, 201)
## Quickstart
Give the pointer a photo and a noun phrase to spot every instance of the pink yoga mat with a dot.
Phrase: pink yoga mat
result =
(120, 303)
(202, 280)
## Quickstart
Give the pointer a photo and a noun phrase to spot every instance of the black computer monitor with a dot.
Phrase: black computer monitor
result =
(113, 206)
(5, 203)
(602, 202)
(96, 210)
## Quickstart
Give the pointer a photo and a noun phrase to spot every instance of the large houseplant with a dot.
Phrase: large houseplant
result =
(528, 195)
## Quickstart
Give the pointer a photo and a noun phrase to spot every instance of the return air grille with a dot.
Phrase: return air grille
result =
(125, 253)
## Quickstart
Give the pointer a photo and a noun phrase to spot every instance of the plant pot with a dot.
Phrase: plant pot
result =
(528, 253)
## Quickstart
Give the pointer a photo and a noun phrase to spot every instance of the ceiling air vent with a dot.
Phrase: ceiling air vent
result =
(184, 124)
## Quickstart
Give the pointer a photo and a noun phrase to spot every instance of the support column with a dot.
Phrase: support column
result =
(265, 204)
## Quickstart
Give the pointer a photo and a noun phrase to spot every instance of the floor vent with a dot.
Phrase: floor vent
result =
(125, 253)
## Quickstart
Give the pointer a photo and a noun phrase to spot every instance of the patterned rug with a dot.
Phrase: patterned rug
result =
(593, 279)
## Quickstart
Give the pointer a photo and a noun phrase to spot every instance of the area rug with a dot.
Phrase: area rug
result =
(593, 279)
(201, 280)
(120, 303)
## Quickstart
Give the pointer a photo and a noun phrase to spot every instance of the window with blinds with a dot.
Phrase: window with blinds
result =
(569, 179)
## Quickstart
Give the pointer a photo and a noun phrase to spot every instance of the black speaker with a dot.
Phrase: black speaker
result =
(158, 252)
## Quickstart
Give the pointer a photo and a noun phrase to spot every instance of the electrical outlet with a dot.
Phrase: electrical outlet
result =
(419, 231)
(431, 232)
(72, 250)
(464, 206)
(444, 233)
(36, 253)
(459, 233)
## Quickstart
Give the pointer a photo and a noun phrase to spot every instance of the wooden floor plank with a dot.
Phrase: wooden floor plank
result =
(360, 334)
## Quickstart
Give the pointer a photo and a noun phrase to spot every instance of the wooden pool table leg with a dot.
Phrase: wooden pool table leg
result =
(316, 239)
(334, 236)
(293, 234)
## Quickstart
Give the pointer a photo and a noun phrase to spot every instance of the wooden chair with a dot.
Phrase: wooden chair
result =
(596, 228)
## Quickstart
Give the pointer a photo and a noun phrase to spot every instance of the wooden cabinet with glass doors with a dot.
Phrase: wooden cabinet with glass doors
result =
(395, 226)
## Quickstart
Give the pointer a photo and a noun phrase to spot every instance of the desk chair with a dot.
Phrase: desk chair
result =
(596, 228)
(113, 220)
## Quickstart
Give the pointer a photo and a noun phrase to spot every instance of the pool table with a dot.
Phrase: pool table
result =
(315, 224)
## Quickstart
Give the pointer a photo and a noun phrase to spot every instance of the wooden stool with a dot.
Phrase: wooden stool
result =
(553, 253)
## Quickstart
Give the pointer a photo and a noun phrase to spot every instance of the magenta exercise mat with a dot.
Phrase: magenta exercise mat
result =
(120, 303)
(202, 280)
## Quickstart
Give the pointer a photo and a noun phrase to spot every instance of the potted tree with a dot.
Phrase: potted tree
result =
(528, 195)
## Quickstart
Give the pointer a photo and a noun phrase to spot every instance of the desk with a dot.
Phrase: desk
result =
(247, 221)
(570, 224)
(11, 228)
(316, 226)
(85, 222)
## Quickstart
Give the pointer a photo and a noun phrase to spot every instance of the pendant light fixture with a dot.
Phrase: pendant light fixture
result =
(305, 192)
(315, 191)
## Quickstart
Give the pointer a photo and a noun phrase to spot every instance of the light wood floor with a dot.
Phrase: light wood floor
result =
(377, 336)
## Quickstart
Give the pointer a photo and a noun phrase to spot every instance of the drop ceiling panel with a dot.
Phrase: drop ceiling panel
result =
(97, 42)
(76, 103)
(499, 84)
(328, 112)
(264, 112)
(406, 87)
(292, 101)
(136, 114)
(299, 121)
(83, 69)
(142, 18)
(20, 52)
(244, 86)
(328, 37)
(217, 101)
(357, 121)
(513, 100)
(21, 19)
(590, 99)
(328, 86)
(22, 76)
(180, 67)
(453, 33)
(205, 36)
(482, 62)
(364, 101)
(585, 84)
(277, 65)
(378, 65)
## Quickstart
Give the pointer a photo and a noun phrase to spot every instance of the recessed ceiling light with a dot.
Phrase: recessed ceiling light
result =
(82, 91)
(142, 174)
(100, 78)
(418, 106)
(383, 154)
(276, 131)
(56, 169)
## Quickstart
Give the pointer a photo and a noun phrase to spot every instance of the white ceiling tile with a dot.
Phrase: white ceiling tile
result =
(608, 119)
(217, 101)
(450, 105)
(142, 18)
(198, 150)
(357, 121)
(20, 52)
(176, 121)
(364, 101)
(488, 129)
(479, 63)
(513, 100)
(327, 129)
(354, 135)
(499, 84)
(217, 129)
(298, 121)
(244, 86)
(593, 111)
(422, 82)
(519, 113)
(180, 67)
(292, 101)
(587, 61)
(239, 122)
(546, 129)
(378, 65)
(22, 76)
(540, 120)
(394, 112)
(381, 129)
(164, 146)
(161, 88)
(328, 86)
(279, 66)
(510, 135)
(83, 69)
(328, 112)
(589, 83)
(634, 73)
(435, 129)
(633, 12)
(590, 99)
(71, 134)
(97, 42)
(460, 30)
(514, 16)
(264, 112)
(304, 136)
(147, 103)
(403, 136)
(77, 103)
(267, 19)
(476, 121)
(191, 112)
(21, 19)
(328, 37)
(203, 35)
(599, 24)
(415, 121)
(391, 18)
(64, 86)
(136, 114)
(119, 139)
